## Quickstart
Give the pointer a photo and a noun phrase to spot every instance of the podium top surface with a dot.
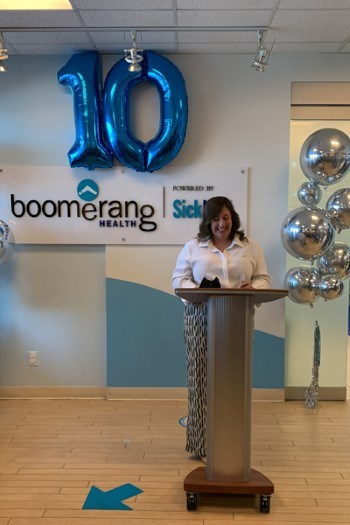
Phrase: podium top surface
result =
(200, 295)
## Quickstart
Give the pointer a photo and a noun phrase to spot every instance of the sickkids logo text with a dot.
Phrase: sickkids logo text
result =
(109, 213)
(184, 210)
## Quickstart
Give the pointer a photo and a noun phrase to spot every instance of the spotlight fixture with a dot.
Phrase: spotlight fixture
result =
(3, 50)
(134, 56)
(3, 54)
(262, 55)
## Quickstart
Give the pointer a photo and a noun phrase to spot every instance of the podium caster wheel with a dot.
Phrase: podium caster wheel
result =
(191, 501)
(265, 504)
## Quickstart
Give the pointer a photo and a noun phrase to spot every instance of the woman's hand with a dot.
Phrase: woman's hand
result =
(246, 285)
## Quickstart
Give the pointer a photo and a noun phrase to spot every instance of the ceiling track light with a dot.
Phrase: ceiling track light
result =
(142, 29)
(3, 50)
(262, 55)
(134, 56)
(3, 54)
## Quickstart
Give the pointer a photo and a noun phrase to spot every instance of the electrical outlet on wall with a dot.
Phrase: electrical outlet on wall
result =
(32, 358)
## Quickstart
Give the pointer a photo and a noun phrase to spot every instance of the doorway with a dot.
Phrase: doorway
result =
(317, 106)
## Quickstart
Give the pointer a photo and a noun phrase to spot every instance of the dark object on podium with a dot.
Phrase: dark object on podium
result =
(206, 283)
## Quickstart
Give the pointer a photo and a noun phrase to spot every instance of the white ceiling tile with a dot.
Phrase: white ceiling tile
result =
(271, 35)
(312, 26)
(108, 37)
(150, 37)
(223, 18)
(39, 19)
(216, 36)
(119, 50)
(50, 49)
(47, 37)
(124, 37)
(110, 49)
(308, 47)
(217, 48)
(160, 47)
(315, 26)
(314, 4)
(123, 4)
(226, 4)
(127, 18)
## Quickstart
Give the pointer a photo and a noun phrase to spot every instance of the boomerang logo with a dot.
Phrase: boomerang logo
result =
(88, 190)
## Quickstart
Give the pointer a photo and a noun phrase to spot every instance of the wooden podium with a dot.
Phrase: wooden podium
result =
(229, 387)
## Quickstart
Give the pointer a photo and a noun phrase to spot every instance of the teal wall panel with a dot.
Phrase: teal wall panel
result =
(268, 361)
(144, 337)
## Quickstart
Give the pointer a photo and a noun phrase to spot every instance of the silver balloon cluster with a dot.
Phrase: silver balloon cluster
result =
(7, 243)
(308, 232)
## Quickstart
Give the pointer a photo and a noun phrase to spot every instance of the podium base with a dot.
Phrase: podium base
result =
(196, 483)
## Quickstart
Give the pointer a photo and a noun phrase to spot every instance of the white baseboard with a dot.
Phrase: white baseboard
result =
(268, 394)
(176, 394)
(326, 393)
(132, 393)
(52, 392)
(159, 393)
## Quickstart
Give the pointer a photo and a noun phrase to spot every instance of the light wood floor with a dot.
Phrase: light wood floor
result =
(53, 451)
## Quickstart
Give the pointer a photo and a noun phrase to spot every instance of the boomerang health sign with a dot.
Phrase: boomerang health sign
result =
(51, 205)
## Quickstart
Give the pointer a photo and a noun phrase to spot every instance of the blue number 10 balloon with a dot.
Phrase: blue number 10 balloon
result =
(112, 123)
(82, 74)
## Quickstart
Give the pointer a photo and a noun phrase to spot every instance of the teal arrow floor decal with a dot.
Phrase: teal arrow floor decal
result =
(98, 499)
(183, 421)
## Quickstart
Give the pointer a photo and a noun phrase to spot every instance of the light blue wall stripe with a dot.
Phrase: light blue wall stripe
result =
(145, 345)
(268, 361)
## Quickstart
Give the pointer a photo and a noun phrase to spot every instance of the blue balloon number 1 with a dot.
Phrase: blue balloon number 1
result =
(102, 120)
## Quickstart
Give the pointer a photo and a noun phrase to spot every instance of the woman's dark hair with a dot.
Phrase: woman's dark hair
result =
(212, 209)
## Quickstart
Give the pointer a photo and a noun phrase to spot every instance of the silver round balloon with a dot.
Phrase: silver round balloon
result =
(307, 233)
(6, 251)
(336, 261)
(7, 243)
(302, 284)
(4, 230)
(338, 208)
(309, 193)
(325, 156)
(330, 287)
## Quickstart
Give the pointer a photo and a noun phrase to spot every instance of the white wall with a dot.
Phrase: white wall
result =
(237, 116)
(53, 301)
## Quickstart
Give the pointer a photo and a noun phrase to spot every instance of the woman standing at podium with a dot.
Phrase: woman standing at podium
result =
(220, 256)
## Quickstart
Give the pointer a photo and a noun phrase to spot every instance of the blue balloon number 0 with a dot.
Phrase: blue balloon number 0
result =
(102, 122)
